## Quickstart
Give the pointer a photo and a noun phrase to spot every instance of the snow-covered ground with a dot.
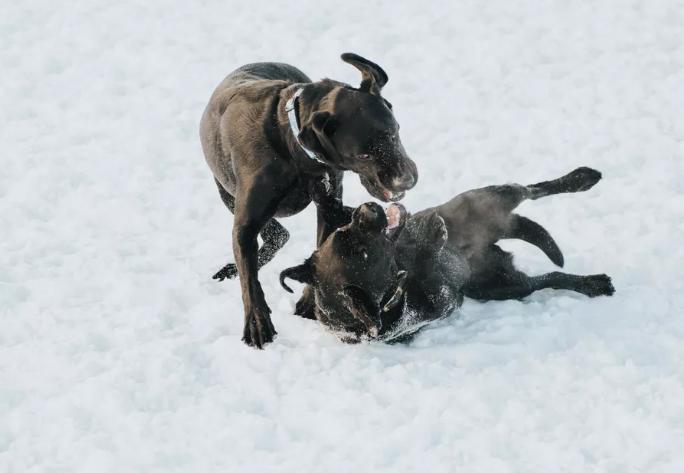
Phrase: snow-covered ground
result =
(118, 353)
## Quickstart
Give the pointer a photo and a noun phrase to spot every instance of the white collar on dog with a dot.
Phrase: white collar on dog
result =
(291, 110)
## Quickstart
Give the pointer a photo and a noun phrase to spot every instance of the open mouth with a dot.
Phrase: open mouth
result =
(393, 214)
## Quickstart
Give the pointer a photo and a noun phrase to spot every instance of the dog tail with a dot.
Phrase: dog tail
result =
(302, 273)
(527, 230)
(285, 274)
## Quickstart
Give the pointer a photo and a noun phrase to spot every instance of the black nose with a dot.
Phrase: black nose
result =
(370, 216)
(371, 211)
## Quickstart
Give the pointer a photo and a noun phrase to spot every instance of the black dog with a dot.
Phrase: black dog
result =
(374, 279)
(268, 133)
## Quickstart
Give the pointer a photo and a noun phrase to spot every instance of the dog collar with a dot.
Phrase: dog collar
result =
(294, 126)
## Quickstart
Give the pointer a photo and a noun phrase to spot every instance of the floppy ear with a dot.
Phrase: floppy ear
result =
(355, 301)
(319, 127)
(302, 273)
(373, 77)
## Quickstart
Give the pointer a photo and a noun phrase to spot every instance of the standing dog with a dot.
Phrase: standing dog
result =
(372, 278)
(269, 133)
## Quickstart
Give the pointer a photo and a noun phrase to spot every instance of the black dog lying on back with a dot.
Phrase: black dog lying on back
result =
(382, 275)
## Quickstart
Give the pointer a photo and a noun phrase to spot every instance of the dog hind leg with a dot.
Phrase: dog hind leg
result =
(518, 285)
(494, 205)
(579, 180)
(274, 237)
(227, 199)
(592, 286)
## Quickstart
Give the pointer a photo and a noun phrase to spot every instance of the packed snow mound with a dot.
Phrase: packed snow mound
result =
(118, 352)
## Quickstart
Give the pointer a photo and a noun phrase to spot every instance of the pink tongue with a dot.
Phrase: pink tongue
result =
(393, 216)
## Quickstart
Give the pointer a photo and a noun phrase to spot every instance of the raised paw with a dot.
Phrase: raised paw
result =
(321, 189)
(597, 285)
(437, 233)
(229, 271)
(583, 178)
(259, 329)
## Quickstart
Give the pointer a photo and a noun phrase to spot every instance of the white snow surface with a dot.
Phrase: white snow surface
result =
(118, 353)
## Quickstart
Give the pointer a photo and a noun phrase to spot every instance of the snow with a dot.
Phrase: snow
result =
(119, 353)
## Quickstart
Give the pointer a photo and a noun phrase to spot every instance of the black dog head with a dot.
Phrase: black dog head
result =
(354, 274)
(355, 129)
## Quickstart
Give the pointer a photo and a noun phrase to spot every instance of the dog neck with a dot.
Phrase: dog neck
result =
(304, 105)
(293, 120)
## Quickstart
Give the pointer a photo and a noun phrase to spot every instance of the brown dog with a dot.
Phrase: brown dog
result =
(268, 134)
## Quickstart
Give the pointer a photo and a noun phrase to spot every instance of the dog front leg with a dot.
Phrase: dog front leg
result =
(254, 208)
(258, 329)
(331, 214)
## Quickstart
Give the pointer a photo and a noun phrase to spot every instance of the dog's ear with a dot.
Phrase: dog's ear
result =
(302, 273)
(321, 126)
(373, 77)
(356, 302)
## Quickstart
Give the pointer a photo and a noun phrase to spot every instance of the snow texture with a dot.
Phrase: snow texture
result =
(118, 353)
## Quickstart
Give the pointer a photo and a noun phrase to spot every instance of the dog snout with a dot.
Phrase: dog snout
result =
(400, 177)
(370, 211)
(404, 182)
(371, 216)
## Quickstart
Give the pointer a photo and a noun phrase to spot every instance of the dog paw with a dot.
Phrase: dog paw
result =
(584, 178)
(321, 189)
(259, 329)
(437, 233)
(597, 285)
(229, 271)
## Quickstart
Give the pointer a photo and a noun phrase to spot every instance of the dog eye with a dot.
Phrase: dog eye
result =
(363, 157)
